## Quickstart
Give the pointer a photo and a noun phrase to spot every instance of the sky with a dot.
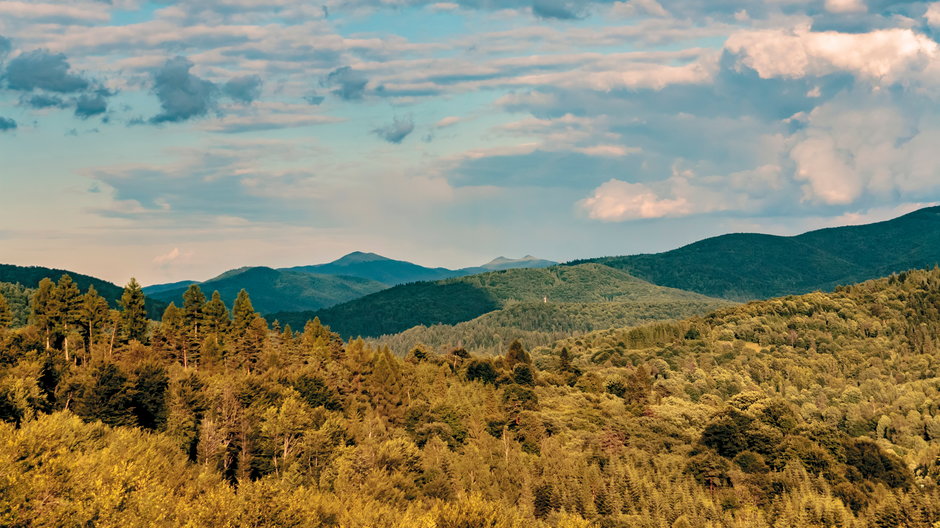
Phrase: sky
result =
(177, 139)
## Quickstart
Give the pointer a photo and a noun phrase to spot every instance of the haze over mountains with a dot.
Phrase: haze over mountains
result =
(322, 285)
(367, 294)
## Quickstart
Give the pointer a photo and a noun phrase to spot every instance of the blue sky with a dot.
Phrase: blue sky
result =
(177, 139)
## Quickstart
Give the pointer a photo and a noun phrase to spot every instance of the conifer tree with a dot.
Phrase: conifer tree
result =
(94, 315)
(517, 355)
(133, 312)
(215, 316)
(68, 302)
(243, 313)
(43, 310)
(6, 315)
(194, 302)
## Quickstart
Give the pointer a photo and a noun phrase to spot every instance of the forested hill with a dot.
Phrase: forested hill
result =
(29, 277)
(755, 266)
(273, 290)
(461, 299)
(813, 411)
(377, 268)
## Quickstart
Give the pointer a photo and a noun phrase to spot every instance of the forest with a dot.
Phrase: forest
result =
(817, 410)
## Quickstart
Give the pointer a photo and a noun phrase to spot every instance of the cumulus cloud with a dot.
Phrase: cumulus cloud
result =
(245, 89)
(846, 6)
(41, 101)
(616, 201)
(7, 124)
(347, 83)
(90, 105)
(396, 131)
(882, 55)
(42, 70)
(182, 95)
(558, 9)
(172, 257)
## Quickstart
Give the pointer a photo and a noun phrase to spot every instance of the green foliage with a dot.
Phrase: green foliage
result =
(818, 411)
(282, 290)
(556, 299)
(751, 266)
(133, 321)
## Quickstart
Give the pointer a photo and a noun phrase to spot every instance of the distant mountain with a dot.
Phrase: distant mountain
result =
(157, 288)
(455, 300)
(279, 290)
(503, 263)
(377, 268)
(29, 276)
(754, 266)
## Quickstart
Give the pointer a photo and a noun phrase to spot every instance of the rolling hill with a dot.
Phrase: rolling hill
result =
(394, 272)
(377, 268)
(273, 290)
(29, 276)
(754, 266)
(456, 300)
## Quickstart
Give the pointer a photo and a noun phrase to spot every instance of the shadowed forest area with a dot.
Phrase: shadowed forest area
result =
(808, 411)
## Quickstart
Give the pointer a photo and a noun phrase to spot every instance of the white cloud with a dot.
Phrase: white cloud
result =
(885, 55)
(448, 121)
(174, 255)
(846, 6)
(616, 201)
(933, 14)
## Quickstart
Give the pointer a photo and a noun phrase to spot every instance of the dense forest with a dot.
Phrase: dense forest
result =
(746, 266)
(456, 300)
(817, 410)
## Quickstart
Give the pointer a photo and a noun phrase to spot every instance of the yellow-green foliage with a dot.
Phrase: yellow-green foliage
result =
(818, 411)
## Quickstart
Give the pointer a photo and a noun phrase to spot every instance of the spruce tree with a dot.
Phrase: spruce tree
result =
(133, 312)
(194, 303)
(6, 315)
(68, 301)
(215, 316)
(94, 315)
(43, 310)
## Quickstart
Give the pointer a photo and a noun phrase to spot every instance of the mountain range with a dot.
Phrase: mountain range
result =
(754, 266)
(455, 300)
(322, 285)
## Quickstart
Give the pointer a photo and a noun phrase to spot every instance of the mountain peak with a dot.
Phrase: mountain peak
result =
(359, 256)
(528, 261)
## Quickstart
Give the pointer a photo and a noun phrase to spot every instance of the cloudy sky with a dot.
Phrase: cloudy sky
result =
(176, 139)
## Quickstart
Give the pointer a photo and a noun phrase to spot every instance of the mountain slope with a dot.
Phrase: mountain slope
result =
(750, 266)
(377, 268)
(274, 290)
(29, 276)
(461, 299)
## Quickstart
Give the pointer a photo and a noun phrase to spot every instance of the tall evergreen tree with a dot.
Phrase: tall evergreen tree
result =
(194, 303)
(215, 316)
(133, 312)
(43, 310)
(68, 302)
(6, 315)
(243, 313)
(95, 314)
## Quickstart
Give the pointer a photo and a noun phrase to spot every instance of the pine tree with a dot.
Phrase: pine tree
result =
(6, 315)
(94, 315)
(133, 312)
(68, 302)
(215, 316)
(169, 335)
(43, 309)
(243, 313)
(194, 302)
(517, 355)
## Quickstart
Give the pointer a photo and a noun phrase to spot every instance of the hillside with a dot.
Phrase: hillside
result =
(541, 324)
(377, 268)
(273, 290)
(394, 272)
(29, 277)
(755, 266)
(815, 411)
(456, 300)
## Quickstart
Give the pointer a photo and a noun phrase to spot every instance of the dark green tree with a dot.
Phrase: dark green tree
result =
(68, 311)
(215, 316)
(44, 310)
(133, 312)
(6, 315)
(110, 397)
(95, 314)
(194, 303)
